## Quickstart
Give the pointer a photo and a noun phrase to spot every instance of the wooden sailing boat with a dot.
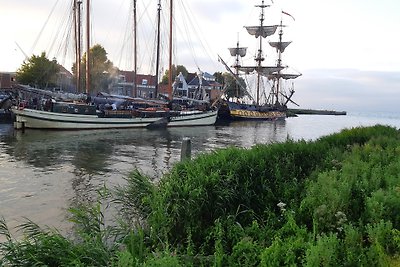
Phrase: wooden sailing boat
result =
(72, 115)
(273, 108)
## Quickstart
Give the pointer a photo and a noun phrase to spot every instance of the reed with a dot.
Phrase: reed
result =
(334, 201)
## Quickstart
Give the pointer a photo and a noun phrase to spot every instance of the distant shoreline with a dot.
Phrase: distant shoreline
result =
(294, 112)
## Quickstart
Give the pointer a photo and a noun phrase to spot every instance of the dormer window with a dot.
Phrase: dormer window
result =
(122, 78)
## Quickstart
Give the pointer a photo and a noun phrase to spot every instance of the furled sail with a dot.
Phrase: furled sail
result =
(263, 70)
(266, 71)
(280, 46)
(286, 76)
(238, 51)
(263, 31)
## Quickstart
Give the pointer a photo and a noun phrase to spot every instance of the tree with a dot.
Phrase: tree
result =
(232, 88)
(38, 71)
(101, 69)
(219, 77)
(175, 71)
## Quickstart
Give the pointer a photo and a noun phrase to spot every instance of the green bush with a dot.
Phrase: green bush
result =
(245, 253)
(325, 252)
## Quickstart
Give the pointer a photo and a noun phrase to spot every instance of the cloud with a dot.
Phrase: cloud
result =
(351, 90)
(210, 10)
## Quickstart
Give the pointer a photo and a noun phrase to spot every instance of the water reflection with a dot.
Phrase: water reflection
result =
(45, 172)
(90, 152)
(100, 152)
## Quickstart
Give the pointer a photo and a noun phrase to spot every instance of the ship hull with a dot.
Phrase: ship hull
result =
(194, 118)
(235, 111)
(37, 119)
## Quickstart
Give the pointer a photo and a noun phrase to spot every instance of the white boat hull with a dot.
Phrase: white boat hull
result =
(38, 119)
(194, 119)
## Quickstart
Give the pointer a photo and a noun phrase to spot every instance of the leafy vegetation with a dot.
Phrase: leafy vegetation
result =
(331, 202)
(175, 72)
(38, 71)
(101, 69)
(232, 87)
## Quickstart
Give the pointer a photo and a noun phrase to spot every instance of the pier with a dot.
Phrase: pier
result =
(294, 112)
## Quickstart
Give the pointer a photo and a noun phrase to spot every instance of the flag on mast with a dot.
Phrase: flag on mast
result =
(288, 14)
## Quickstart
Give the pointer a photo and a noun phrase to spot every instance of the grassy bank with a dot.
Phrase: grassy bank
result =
(330, 202)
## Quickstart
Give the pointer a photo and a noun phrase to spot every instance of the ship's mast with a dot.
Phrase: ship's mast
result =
(261, 31)
(158, 45)
(236, 66)
(237, 52)
(237, 69)
(280, 44)
(77, 31)
(170, 53)
(279, 64)
(75, 13)
(88, 57)
(277, 76)
(134, 93)
(260, 58)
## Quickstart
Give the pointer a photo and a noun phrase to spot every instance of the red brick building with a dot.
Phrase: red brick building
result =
(7, 80)
(146, 85)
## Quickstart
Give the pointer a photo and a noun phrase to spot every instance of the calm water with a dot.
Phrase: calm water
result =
(43, 173)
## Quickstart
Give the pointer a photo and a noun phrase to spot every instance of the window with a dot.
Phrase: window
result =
(144, 82)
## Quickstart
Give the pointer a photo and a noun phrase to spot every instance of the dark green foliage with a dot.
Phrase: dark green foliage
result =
(245, 253)
(234, 86)
(46, 247)
(134, 197)
(38, 71)
(353, 252)
(102, 70)
(219, 77)
(175, 72)
(360, 135)
(242, 184)
(331, 202)
(364, 190)
(325, 252)
(288, 246)
(326, 184)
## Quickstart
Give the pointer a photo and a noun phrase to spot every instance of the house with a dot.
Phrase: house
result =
(184, 87)
(124, 85)
(65, 81)
(191, 86)
(7, 80)
(215, 87)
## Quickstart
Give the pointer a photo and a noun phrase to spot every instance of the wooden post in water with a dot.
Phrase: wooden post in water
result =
(186, 149)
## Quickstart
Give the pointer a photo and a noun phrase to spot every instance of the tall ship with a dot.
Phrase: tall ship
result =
(271, 98)
(48, 111)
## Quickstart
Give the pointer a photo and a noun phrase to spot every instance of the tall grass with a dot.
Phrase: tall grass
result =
(333, 201)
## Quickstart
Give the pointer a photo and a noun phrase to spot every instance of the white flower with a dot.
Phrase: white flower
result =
(281, 205)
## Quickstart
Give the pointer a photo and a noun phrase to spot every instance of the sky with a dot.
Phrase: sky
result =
(346, 50)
